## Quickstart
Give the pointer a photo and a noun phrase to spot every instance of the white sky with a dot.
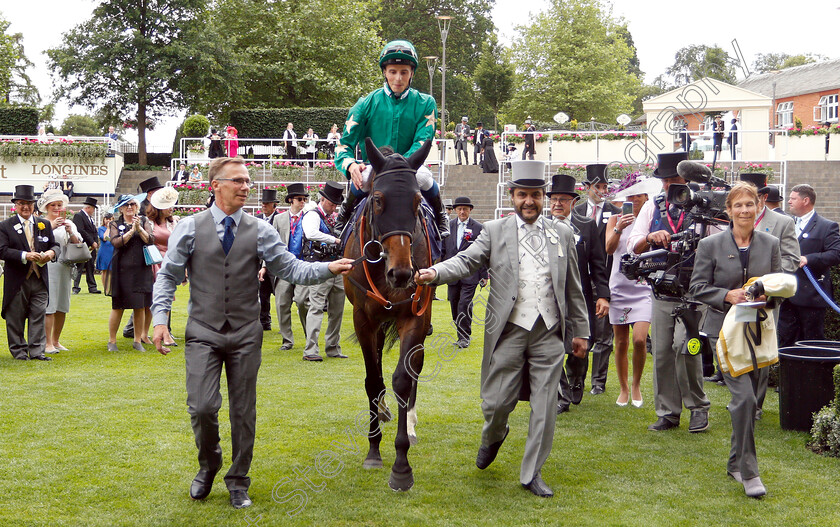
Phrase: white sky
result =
(658, 28)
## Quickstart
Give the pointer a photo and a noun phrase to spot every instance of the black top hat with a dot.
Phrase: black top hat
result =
(666, 164)
(772, 192)
(24, 193)
(269, 195)
(562, 184)
(756, 178)
(90, 200)
(148, 185)
(479, 123)
(596, 173)
(295, 189)
(333, 191)
(463, 200)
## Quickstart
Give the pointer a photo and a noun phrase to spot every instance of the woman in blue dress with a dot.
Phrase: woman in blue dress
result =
(105, 252)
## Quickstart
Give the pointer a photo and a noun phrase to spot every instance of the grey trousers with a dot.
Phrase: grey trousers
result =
(461, 146)
(601, 351)
(327, 296)
(744, 390)
(240, 351)
(677, 378)
(29, 304)
(543, 350)
(284, 294)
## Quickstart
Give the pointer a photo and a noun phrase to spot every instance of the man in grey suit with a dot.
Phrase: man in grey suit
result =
(222, 248)
(535, 299)
(286, 292)
(462, 134)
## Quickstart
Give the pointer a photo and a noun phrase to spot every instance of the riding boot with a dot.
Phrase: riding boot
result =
(441, 217)
(345, 212)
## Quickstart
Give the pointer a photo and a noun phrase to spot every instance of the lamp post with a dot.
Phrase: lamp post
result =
(443, 25)
(431, 62)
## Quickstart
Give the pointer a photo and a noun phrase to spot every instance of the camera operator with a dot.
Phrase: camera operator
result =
(677, 377)
(724, 263)
(321, 245)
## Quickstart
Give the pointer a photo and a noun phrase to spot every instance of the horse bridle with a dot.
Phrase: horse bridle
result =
(421, 298)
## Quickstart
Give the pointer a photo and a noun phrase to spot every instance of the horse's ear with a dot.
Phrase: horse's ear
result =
(419, 157)
(374, 155)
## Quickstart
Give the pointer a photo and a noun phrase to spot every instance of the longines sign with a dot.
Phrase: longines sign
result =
(89, 178)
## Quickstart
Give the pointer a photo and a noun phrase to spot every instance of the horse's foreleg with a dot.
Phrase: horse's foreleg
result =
(374, 385)
(411, 351)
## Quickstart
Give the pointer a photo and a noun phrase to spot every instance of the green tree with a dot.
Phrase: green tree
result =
(129, 56)
(16, 88)
(695, 62)
(765, 62)
(8, 58)
(289, 54)
(572, 57)
(80, 125)
(494, 76)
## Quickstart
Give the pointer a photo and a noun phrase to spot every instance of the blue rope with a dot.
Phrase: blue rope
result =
(819, 289)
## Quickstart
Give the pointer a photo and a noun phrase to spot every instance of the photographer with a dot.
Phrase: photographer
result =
(724, 263)
(321, 245)
(677, 377)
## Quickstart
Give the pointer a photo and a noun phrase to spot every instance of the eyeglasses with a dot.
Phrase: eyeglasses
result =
(237, 181)
(554, 199)
(301, 198)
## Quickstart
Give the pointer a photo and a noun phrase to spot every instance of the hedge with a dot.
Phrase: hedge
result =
(18, 121)
(271, 122)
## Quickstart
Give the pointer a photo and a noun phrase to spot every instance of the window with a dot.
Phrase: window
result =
(827, 110)
(784, 114)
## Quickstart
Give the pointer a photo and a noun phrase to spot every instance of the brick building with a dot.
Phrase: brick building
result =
(808, 92)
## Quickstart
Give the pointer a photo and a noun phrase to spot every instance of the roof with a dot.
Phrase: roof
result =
(706, 95)
(809, 78)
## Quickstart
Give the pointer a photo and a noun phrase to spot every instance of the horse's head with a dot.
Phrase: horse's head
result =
(395, 203)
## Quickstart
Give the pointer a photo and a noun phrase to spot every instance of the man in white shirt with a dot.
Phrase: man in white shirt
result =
(321, 245)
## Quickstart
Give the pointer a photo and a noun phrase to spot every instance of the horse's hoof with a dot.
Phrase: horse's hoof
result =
(412, 439)
(401, 482)
(372, 463)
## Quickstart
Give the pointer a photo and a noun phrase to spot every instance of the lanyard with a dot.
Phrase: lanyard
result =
(670, 222)
(760, 218)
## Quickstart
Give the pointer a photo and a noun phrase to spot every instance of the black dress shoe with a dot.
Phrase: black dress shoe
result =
(76, 291)
(486, 454)
(576, 395)
(239, 499)
(562, 408)
(41, 357)
(539, 487)
(286, 347)
(699, 421)
(95, 292)
(597, 390)
(266, 327)
(662, 424)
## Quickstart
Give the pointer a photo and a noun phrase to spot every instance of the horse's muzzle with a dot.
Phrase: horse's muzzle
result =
(399, 278)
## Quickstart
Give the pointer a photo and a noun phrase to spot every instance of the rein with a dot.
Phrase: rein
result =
(420, 299)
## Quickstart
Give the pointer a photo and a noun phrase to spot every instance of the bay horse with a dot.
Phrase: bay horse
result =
(391, 240)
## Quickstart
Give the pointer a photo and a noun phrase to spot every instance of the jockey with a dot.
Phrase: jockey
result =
(396, 115)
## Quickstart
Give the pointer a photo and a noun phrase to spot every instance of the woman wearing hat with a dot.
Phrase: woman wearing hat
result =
(105, 252)
(53, 203)
(159, 213)
(630, 303)
(131, 278)
(195, 175)
(232, 141)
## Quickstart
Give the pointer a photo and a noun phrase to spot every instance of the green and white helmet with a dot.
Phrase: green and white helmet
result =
(398, 52)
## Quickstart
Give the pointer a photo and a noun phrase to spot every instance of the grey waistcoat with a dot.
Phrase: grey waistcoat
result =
(224, 288)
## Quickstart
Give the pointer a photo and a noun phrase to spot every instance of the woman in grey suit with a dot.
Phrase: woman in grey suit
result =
(723, 263)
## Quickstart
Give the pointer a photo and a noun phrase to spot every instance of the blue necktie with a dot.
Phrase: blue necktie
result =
(227, 241)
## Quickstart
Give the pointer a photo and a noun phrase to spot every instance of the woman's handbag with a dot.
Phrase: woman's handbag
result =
(75, 253)
(152, 255)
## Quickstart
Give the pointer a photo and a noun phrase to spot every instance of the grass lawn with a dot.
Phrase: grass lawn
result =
(98, 438)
